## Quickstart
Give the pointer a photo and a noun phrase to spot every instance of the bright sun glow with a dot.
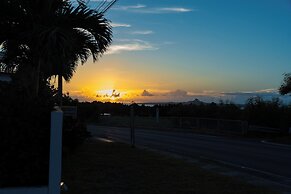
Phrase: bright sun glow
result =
(108, 95)
(105, 92)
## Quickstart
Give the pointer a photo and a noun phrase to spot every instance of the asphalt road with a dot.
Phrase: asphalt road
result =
(271, 161)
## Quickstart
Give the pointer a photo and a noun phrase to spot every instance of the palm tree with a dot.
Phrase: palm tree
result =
(51, 37)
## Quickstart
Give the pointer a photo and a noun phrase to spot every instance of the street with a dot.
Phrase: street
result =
(263, 159)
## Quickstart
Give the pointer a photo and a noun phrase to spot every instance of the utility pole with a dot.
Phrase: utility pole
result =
(157, 115)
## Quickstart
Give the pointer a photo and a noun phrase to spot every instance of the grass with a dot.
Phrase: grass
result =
(114, 168)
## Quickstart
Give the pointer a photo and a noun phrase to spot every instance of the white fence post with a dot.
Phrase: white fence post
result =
(55, 163)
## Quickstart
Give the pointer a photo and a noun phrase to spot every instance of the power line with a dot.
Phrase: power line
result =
(102, 7)
(108, 6)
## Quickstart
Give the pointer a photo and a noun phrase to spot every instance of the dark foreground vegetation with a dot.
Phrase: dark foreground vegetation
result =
(111, 168)
(256, 111)
(25, 134)
(39, 40)
(25, 125)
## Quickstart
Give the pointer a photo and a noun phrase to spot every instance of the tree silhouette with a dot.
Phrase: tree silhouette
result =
(285, 88)
(50, 37)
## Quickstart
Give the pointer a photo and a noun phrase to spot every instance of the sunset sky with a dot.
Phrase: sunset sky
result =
(179, 50)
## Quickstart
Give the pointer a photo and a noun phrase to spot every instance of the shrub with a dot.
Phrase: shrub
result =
(24, 135)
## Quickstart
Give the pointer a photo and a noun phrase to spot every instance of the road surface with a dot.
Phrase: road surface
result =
(263, 159)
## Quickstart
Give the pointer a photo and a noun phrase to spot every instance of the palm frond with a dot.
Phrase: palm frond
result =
(93, 23)
(52, 33)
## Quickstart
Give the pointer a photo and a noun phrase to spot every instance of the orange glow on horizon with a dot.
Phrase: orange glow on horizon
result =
(110, 95)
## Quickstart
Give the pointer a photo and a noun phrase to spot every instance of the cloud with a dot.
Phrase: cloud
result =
(239, 97)
(115, 94)
(120, 25)
(173, 93)
(153, 10)
(163, 10)
(146, 32)
(174, 9)
(129, 7)
(177, 93)
(212, 96)
(146, 93)
(82, 95)
(267, 94)
(108, 94)
(100, 0)
(130, 45)
(172, 96)
(272, 90)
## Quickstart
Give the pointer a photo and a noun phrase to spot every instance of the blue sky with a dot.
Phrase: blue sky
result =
(209, 49)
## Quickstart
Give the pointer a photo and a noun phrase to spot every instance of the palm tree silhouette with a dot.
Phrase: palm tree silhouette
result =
(51, 37)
